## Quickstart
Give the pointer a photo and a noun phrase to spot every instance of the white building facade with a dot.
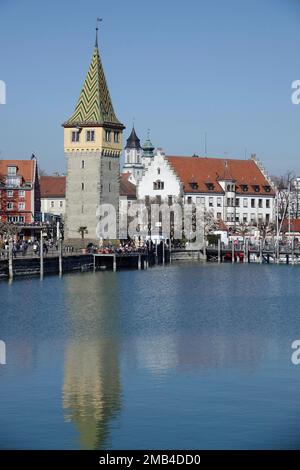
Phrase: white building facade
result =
(235, 191)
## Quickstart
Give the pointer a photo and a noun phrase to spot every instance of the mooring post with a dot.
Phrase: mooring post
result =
(245, 252)
(232, 252)
(219, 250)
(41, 254)
(163, 252)
(260, 252)
(114, 262)
(293, 251)
(139, 262)
(60, 270)
(10, 260)
(156, 256)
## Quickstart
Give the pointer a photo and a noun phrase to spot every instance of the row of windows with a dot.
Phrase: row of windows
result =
(15, 218)
(10, 193)
(253, 203)
(52, 204)
(83, 165)
(244, 218)
(83, 187)
(231, 202)
(90, 136)
(10, 206)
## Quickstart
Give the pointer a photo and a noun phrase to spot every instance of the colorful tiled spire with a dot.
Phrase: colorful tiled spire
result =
(94, 106)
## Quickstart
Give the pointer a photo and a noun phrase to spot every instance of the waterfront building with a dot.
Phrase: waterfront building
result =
(93, 145)
(53, 196)
(235, 191)
(19, 191)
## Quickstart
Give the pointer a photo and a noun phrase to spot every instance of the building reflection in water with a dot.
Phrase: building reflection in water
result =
(164, 353)
(92, 389)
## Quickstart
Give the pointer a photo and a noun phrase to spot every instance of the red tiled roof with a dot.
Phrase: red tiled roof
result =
(25, 168)
(126, 187)
(211, 170)
(53, 186)
(295, 225)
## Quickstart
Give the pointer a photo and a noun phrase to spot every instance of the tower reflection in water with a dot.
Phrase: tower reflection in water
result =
(92, 390)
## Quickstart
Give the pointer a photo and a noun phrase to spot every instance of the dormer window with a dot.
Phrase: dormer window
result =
(75, 136)
(244, 188)
(194, 184)
(210, 186)
(256, 188)
(90, 136)
(267, 189)
(11, 171)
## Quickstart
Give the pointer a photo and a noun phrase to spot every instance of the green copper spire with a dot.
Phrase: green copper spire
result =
(94, 106)
(148, 147)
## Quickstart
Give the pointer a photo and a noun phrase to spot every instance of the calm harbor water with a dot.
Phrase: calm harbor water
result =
(187, 356)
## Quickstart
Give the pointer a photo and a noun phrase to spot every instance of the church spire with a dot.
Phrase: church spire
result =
(94, 106)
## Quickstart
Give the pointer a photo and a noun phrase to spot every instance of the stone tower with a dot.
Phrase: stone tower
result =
(92, 145)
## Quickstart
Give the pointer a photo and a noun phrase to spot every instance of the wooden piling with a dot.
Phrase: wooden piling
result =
(232, 252)
(41, 254)
(10, 260)
(114, 262)
(139, 262)
(260, 252)
(60, 269)
(219, 250)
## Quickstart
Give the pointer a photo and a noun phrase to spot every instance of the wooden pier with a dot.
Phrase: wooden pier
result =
(115, 261)
(250, 254)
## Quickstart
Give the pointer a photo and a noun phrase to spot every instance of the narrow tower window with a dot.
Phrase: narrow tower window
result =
(107, 136)
(82, 186)
(82, 163)
(75, 136)
(116, 137)
(90, 136)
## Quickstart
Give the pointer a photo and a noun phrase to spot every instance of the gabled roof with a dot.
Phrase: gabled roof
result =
(226, 175)
(25, 168)
(133, 142)
(94, 106)
(53, 186)
(126, 187)
(206, 170)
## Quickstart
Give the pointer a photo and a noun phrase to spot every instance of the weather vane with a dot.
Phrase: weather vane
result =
(97, 29)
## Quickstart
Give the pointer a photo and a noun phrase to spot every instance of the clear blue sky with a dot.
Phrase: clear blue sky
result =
(179, 68)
